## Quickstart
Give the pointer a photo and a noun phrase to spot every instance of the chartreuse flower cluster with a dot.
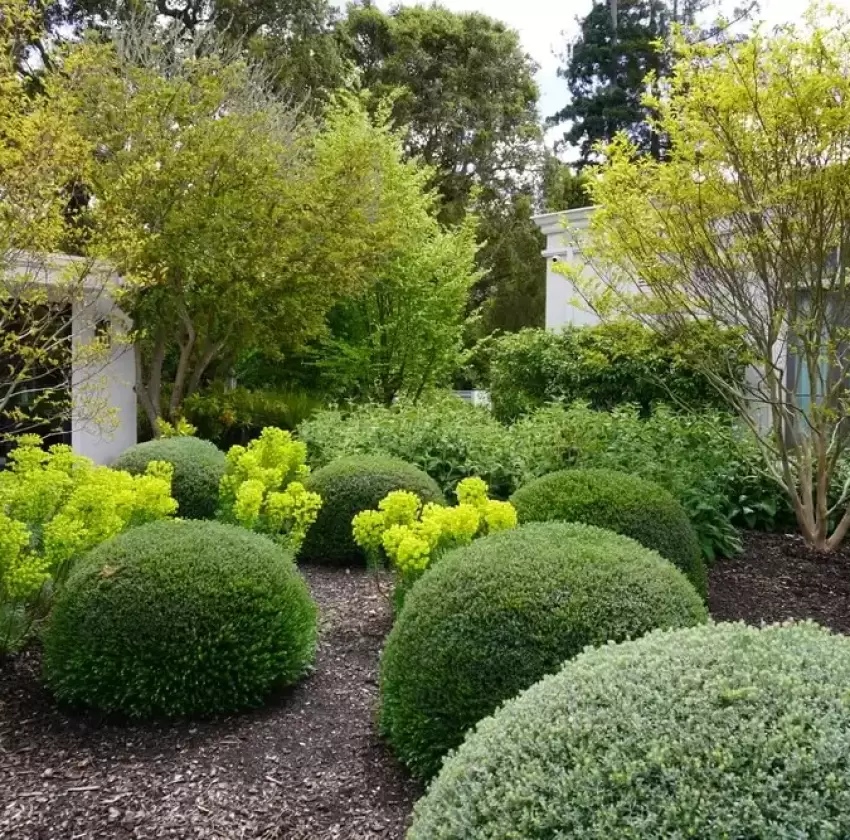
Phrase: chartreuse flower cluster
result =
(55, 506)
(262, 488)
(411, 535)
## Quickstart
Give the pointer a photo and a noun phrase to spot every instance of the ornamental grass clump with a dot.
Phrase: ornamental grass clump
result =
(493, 617)
(180, 619)
(710, 732)
(197, 464)
(619, 502)
(349, 486)
(409, 536)
(262, 488)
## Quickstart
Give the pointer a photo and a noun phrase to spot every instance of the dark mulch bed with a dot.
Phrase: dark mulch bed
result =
(308, 766)
(776, 578)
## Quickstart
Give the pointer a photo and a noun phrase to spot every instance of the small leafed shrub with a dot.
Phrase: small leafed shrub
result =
(55, 506)
(262, 488)
(446, 437)
(610, 364)
(409, 536)
(236, 416)
(198, 468)
(492, 618)
(621, 503)
(711, 732)
(180, 619)
(349, 486)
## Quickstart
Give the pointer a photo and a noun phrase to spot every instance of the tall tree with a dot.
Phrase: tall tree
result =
(606, 68)
(465, 92)
(234, 224)
(748, 223)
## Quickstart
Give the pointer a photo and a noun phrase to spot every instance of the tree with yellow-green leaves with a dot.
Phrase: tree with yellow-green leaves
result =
(747, 223)
(236, 221)
(42, 156)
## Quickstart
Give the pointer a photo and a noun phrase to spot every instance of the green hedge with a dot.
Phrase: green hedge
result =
(198, 468)
(491, 619)
(723, 731)
(610, 364)
(348, 486)
(179, 618)
(619, 502)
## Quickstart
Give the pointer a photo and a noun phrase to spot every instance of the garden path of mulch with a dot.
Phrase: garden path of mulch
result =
(776, 578)
(309, 765)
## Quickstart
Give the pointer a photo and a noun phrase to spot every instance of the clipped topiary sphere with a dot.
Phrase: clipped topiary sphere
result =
(713, 732)
(492, 618)
(619, 502)
(179, 619)
(198, 468)
(348, 486)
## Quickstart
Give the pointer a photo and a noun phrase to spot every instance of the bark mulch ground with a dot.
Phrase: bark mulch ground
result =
(309, 765)
(776, 578)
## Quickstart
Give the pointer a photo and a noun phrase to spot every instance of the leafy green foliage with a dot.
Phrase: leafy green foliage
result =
(180, 619)
(444, 436)
(348, 486)
(262, 488)
(704, 459)
(198, 467)
(711, 732)
(409, 536)
(55, 506)
(622, 503)
(608, 365)
(237, 415)
(468, 96)
(491, 619)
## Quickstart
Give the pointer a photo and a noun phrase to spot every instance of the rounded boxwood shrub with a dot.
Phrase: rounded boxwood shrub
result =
(713, 732)
(492, 618)
(198, 468)
(619, 502)
(348, 486)
(179, 618)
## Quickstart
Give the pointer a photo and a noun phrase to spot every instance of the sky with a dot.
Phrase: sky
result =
(545, 25)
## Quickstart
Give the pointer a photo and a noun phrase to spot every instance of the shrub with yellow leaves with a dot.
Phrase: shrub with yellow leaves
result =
(54, 507)
(410, 536)
(262, 488)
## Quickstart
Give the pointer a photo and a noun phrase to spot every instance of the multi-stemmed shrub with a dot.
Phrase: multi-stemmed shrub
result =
(55, 506)
(179, 618)
(619, 502)
(712, 732)
(491, 619)
(198, 468)
(263, 488)
(349, 486)
(409, 536)
(444, 436)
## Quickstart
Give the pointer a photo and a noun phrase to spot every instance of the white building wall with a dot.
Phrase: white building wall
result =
(103, 396)
(563, 304)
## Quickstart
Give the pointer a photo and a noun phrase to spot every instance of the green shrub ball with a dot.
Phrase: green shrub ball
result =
(619, 502)
(179, 619)
(198, 468)
(348, 486)
(714, 732)
(491, 619)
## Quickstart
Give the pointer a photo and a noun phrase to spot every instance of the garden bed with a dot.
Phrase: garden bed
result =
(776, 578)
(307, 766)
